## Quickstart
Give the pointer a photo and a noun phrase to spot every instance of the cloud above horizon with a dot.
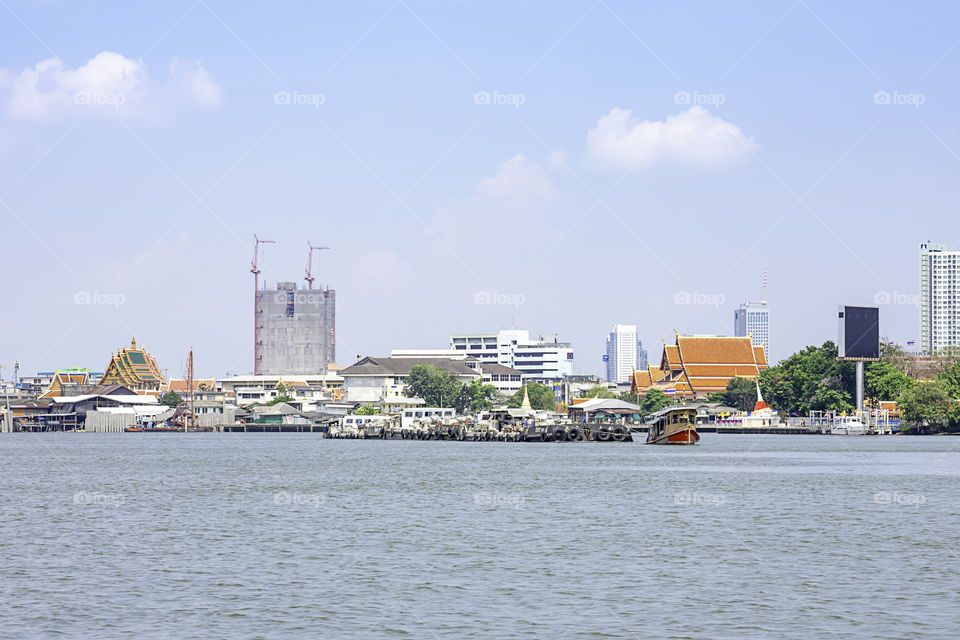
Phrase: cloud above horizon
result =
(694, 137)
(109, 85)
(519, 180)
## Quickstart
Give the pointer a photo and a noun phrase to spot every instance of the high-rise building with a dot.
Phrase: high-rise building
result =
(753, 319)
(643, 360)
(544, 358)
(296, 330)
(939, 298)
(622, 354)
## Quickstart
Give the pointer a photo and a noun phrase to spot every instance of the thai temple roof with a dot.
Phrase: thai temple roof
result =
(135, 368)
(699, 365)
(66, 377)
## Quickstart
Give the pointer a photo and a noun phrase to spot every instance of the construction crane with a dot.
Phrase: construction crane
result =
(310, 277)
(255, 270)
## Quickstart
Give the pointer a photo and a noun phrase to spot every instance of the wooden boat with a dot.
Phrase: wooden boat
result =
(133, 429)
(674, 426)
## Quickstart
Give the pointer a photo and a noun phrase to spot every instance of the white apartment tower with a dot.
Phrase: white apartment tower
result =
(939, 298)
(753, 319)
(622, 356)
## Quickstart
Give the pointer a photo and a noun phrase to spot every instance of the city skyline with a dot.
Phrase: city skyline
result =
(140, 155)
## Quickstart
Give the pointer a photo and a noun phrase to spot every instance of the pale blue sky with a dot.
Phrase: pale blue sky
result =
(141, 174)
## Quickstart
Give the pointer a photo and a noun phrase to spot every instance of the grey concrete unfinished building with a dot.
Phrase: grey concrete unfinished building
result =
(296, 330)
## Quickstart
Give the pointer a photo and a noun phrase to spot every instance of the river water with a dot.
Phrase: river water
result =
(286, 536)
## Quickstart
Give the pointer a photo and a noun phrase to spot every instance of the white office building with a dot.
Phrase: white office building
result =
(623, 353)
(939, 298)
(546, 357)
(753, 319)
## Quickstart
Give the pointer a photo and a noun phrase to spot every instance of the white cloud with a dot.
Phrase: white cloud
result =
(620, 142)
(557, 160)
(107, 85)
(193, 82)
(520, 181)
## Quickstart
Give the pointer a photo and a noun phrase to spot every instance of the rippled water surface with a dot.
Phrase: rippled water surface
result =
(279, 536)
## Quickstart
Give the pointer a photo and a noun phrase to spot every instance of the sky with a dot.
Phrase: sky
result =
(473, 166)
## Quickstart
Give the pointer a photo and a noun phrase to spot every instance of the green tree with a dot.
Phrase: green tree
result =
(884, 381)
(279, 399)
(895, 355)
(172, 399)
(438, 387)
(598, 391)
(953, 417)
(811, 379)
(925, 404)
(628, 396)
(654, 400)
(950, 377)
(541, 397)
(476, 397)
(367, 410)
(740, 393)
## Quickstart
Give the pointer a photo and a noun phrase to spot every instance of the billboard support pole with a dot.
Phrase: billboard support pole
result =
(859, 386)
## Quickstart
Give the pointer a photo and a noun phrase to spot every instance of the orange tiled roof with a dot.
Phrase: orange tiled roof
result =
(179, 385)
(61, 378)
(642, 380)
(698, 365)
(761, 355)
(671, 356)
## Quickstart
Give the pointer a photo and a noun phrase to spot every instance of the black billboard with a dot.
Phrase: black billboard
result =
(859, 333)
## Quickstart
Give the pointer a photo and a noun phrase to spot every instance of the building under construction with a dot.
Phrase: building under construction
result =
(296, 329)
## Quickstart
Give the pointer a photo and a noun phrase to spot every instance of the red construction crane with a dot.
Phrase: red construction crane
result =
(310, 277)
(255, 270)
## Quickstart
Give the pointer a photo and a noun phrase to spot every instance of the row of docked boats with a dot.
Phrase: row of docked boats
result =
(674, 427)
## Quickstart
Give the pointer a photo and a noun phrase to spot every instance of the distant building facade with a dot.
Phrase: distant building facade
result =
(643, 359)
(753, 319)
(622, 353)
(296, 330)
(545, 358)
(383, 380)
(939, 298)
